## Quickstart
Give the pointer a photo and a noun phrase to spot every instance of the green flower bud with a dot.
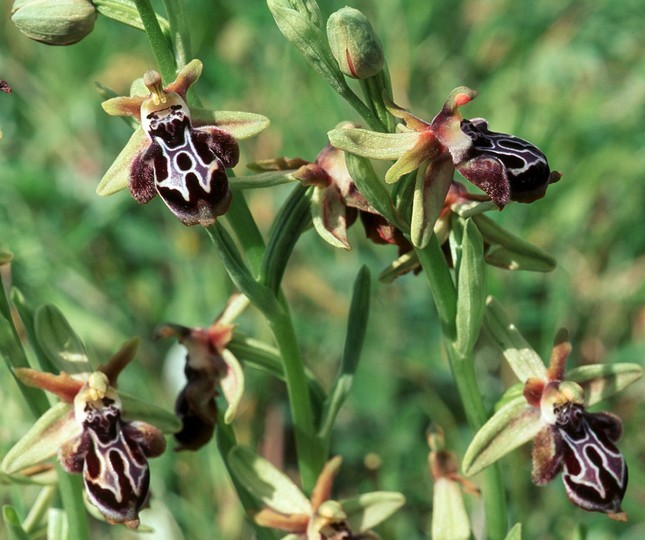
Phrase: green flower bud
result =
(54, 22)
(354, 44)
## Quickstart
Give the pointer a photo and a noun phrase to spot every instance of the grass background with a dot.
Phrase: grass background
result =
(567, 75)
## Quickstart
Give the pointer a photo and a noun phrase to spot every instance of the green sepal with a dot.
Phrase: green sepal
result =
(511, 252)
(54, 428)
(523, 360)
(373, 144)
(402, 265)
(430, 190)
(262, 180)
(369, 509)
(232, 385)
(117, 176)
(369, 185)
(12, 524)
(329, 216)
(242, 125)
(471, 289)
(354, 339)
(449, 518)
(515, 533)
(600, 381)
(137, 409)
(57, 528)
(266, 483)
(511, 426)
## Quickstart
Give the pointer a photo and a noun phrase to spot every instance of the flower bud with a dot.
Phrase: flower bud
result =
(54, 22)
(354, 44)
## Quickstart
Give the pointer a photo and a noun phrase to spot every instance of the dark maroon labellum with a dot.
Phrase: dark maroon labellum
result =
(196, 408)
(594, 470)
(111, 455)
(523, 166)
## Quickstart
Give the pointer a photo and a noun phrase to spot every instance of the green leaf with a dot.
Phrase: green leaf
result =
(260, 478)
(54, 428)
(600, 381)
(402, 265)
(511, 252)
(262, 180)
(125, 12)
(471, 289)
(59, 342)
(524, 361)
(137, 409)
(511, 426)
(354, 339)
(242, 125)
(12, 524)
(373, 144)
(369, 509)
(449, 518)
(515, 533)
(117, 176)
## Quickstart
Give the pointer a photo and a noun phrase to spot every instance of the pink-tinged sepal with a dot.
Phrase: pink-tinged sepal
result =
(594, 470)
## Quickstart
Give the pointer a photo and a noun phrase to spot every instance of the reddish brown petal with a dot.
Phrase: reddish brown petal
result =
(62, 385)
(325, 482)
(547, 457)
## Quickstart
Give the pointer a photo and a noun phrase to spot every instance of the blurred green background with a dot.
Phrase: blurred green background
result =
(566, 75)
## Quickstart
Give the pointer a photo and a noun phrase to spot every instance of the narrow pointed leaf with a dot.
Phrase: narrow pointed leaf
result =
(12, 524)
(471, 289)
(524, 361)
(137, 409)
(117, 176)
(511, 426)
(515, 533)
(372, 144)
(59, 342)
(266, 483)
(449, 517)
(369, 509)
(232, 385)
(43, 440)
(510, 251)
(600, 381)
(242, 125)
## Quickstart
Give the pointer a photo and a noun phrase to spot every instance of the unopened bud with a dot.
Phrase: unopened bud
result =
(54, 22)
(354, 44)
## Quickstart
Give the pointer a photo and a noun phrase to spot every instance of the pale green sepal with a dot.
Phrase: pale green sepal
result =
(138, 88)
(57, 524)
(511, 393)
(449, 517)
(12, 524)
(515, 533)
(54, 428)
(262, 180)
(513, 425)
(59, 342)
(242, 125)
(232, 385)
(369, 185)
(272, 487)
(117, 176)
(328, 214)
(408, 162)
(137, 409)
(511, 252)
(372, 144)
(471, 289)
(600, 381)
(524, 361)
(48, 477)
(369, 509)
(292, 537)
(430, 192)
(473, 208)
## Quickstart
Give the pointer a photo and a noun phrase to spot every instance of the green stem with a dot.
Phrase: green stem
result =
(161, 47)
(311, 455)
(71, 492)
(246, 230)
(444, 293)
(179, 31)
